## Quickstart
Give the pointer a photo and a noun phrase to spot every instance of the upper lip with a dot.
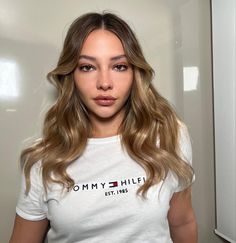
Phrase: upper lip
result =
(104, 97)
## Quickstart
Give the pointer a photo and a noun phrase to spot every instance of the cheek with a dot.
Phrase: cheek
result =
(124, 82)
(84, 85)
(124, 92)
(128, 85)
(82, 92)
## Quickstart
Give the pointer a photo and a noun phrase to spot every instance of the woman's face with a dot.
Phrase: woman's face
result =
(103, 77)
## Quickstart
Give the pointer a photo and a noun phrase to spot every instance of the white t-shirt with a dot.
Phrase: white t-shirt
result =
(103, 206)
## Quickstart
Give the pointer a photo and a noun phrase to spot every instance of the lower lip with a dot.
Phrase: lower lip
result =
(105, 102)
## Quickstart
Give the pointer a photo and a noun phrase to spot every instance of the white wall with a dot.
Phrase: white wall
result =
(176, 39)
(224, 64)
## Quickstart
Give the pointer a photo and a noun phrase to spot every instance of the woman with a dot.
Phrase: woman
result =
(114, 161)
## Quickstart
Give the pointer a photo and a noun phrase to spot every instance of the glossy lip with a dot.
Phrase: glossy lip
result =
(105, 100)
(105, 97)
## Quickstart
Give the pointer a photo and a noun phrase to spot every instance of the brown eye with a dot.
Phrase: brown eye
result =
(121, 67)
(86, 68)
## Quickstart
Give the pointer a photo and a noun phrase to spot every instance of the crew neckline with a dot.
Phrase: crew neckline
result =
(103, 140)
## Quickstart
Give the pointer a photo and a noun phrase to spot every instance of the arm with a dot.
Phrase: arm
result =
(182, 222)
(26, 231)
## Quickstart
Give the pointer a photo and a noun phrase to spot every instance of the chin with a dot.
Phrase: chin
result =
(105, 115)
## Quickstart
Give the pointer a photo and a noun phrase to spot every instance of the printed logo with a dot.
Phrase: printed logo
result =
(113, 184)
(119, 186)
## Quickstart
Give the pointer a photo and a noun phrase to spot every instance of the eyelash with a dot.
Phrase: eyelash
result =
(86, 68)
(117, 67)
(122, 67)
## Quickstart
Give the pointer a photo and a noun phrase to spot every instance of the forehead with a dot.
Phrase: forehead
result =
(101, 42)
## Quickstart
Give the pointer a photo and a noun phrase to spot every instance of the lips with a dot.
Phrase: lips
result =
(105, 100)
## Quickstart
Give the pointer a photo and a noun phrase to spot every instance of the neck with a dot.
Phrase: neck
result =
(102, 127)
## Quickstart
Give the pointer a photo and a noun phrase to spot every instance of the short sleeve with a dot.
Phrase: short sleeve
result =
(185, 150)
(31, 206)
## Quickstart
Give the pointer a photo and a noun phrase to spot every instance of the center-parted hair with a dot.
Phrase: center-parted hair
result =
(148, 115)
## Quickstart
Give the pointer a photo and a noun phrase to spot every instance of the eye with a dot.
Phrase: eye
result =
(121, 67)
(86, 68)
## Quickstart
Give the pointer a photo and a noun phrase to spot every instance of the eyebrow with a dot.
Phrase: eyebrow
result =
(91, 58)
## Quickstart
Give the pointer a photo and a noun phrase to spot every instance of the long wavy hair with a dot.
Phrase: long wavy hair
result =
(67, 126)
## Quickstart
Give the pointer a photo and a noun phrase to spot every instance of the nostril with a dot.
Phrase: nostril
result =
(104, 85)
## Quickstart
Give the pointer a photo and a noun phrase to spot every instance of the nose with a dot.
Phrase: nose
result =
(104, 80)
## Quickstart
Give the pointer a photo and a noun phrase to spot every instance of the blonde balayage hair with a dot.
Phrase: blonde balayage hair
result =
(67, 126)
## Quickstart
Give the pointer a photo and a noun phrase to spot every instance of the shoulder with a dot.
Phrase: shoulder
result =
(34, 178)
(183, 138)
(184, 142)
(36, 169)
(182, 130)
